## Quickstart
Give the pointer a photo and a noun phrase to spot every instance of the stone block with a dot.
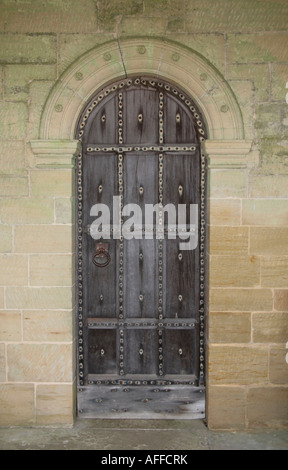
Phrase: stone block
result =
(11, 186)
(211, 46)
(5, 239)
(262, 185)
(244, 91)
(51, 270)
(10, 326)
(257, 48)
(64, 210)
(231, 271)
(28, 298)
(271, 119)
(12, 157)
(19, 77)
(38, 94)
(235, 16)
(53, 183)
(164, 8)
(228, 240)
(226, 407)
(109, 11)
(239, 365)
(13, 117)
(267, 241)
(131, 25)
(229, 327)
(278, 367)
(281, 300)
(274, 151)
(72, 46)
(16, 404)
(227, 183)
(265, 212)
(267, 407)
(2, 299)
(237, 299)
(48, 325)
(225, 211)
(39, 362)
(270, 327)
(259, 74)
(27, 211)
(48, 17)
(2, 363)
(28, 49)
(13, 270)
(44, 239)
(279, 81)
(54, 405)
(274, 271)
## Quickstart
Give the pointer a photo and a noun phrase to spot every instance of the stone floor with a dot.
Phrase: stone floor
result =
(109, 435)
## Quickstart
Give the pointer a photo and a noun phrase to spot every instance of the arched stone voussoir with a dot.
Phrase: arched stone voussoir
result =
(142, 56)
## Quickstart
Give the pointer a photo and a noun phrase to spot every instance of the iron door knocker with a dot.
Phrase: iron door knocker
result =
(101, 258)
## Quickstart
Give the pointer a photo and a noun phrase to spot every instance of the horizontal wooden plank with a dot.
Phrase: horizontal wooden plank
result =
(144, 402)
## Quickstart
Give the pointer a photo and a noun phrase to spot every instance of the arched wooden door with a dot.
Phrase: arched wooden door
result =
(141, 281)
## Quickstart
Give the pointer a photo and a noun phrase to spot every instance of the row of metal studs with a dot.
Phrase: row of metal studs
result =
(141, 382)
(160, 245)
(202, 267)
(121, 245)
(160, 267)
(143, 82)
(79, 269)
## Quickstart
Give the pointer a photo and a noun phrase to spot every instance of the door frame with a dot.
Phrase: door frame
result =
(55, 146)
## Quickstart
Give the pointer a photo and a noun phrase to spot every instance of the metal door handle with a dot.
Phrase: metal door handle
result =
(101, 258)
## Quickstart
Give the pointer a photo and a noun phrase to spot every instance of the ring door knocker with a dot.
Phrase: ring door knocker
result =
(101, 258)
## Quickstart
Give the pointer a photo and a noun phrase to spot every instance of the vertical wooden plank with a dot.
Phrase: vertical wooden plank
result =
(178, 125)
(141, 116)
(141, 352)
(101, 127)
(181, 177)
(99, 188)
(102, 352)
(140, 255)
(180, 352)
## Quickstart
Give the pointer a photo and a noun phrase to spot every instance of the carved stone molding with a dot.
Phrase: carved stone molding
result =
(230, 154)
(55, 153)
(130, 57)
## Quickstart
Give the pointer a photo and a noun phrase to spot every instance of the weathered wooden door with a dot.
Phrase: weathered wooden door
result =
(141, 280)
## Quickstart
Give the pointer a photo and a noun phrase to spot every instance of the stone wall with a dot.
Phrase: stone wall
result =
(245, 41)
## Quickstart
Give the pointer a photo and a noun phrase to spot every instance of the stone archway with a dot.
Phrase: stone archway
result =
(56, 146)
